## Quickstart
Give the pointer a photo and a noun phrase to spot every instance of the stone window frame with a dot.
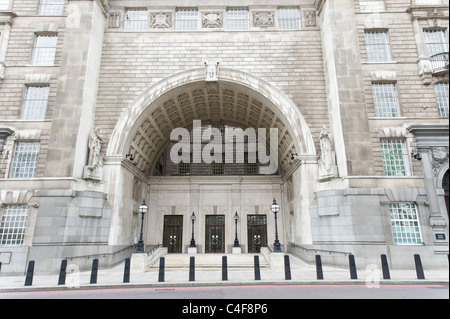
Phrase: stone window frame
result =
(398, 221)
(369, 9)
(383, 107)
(36, 105)
(54, 7)
(230, 20)
(39, 49)
(31, 166)
(138, 24)
(383, 46)
(399, 161)
(187, 19)
(13, 221)
(297, 19)
(442, 97)
(443, 46)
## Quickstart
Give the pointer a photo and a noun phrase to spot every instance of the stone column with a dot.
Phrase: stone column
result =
(77, 89)
(344, 80)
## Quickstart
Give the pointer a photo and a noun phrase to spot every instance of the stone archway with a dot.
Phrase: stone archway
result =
(144, 129)
(151, 104)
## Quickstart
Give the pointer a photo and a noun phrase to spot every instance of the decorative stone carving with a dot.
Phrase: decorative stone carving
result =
(327, 162)
(114, 20)
(263, 19)
(310, 18)
(212, 71)
(212, 20)
(95, 164)
(160, 20)
(440, 156)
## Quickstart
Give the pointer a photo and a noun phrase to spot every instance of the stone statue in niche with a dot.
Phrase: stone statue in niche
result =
(93, 170)
(327, 166)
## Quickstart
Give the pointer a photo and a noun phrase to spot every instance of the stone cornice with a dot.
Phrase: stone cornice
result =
(7, 17)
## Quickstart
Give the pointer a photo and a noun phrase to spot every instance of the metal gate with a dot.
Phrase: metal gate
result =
(173, 234)
(215, 234)
(257, 232)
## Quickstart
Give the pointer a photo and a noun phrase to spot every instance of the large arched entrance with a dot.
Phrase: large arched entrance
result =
(143, 132)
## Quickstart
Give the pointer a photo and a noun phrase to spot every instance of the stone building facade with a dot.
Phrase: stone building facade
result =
(91, 90)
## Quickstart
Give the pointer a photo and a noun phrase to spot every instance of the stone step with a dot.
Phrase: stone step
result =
(238, 261)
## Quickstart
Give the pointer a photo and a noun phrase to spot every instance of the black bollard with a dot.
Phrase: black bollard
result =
(192, 269)
(126, 270)
(224, 268)
(385, 267)
(257, 270)
(419, 268)
(62, 273)
(351, 261)
(30, 272)
(287, 268)
(162, 264)
(94, 271)
(0, 266)
(319, 270)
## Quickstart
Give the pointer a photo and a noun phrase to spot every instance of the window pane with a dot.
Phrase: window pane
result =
(186, 19)
(405, 224)
(51, 7)
(385, 100)
(35, 104)
(25, 160)
(436, 41)
(371, 5)
(136, 20)
(44, 50)
(441, 92)
(394, 157)
(238, 19)
(377, 45)
(13, 225)
(289, 19)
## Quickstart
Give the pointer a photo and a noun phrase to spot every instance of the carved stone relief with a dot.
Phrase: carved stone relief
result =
(114, 20)
(212, 20)
(439, 157)
(160, 20)
(263, 19)
(310, 18)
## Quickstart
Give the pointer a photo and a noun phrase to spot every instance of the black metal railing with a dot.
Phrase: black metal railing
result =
(439, 62)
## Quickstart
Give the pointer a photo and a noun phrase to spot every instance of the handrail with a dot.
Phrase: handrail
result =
(320, 250)
(439, 62)
(104, 254)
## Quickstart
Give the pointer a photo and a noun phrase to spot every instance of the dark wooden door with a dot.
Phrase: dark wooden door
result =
(215, 234)
(173, 234)
(257, 232)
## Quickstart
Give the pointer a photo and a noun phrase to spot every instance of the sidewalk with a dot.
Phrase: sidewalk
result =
(113, 278)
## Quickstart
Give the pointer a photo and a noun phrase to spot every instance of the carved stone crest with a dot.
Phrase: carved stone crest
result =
(160, 20)
(310, 18)
(212, 71)
(212, 20)
(114, 20)
(263, 19)
(439, 156)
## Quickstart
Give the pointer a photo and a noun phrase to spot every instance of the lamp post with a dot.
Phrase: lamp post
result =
(275, 208)
(236, 241)
(142, 209)
(192, 240)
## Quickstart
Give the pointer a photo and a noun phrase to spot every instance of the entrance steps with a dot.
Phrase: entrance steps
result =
(212, 261)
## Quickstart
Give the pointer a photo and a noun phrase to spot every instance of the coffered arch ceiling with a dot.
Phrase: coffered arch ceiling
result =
(144, 128)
